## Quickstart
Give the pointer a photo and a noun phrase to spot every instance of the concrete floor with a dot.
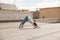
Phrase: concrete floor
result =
(47, 31)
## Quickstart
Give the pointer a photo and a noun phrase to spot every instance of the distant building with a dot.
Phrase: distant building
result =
(50, 13)
(9, 12)
(25, 10)
(8, 6)
(36, 14)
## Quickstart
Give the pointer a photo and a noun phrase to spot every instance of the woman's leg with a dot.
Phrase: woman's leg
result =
(23, 22)
(30, 19)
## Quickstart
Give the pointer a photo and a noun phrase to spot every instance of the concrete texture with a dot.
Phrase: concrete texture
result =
(47, 31)
(13, 15)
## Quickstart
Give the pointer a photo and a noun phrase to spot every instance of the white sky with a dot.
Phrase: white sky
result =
(32, 4)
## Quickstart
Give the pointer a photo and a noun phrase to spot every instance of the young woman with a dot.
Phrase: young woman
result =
(28, 19)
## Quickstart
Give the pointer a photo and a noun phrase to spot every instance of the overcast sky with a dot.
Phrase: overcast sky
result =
(32, 4)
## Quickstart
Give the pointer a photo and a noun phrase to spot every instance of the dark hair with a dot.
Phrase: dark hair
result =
(35, 24)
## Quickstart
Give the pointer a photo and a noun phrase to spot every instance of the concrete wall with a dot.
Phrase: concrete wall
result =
(13, 15)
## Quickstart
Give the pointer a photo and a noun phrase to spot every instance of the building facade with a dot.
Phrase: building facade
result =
(9, 12)
(50, 13)
(36, 14)
(25, 10)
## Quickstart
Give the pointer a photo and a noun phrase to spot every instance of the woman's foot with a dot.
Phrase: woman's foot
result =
(21, 26)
